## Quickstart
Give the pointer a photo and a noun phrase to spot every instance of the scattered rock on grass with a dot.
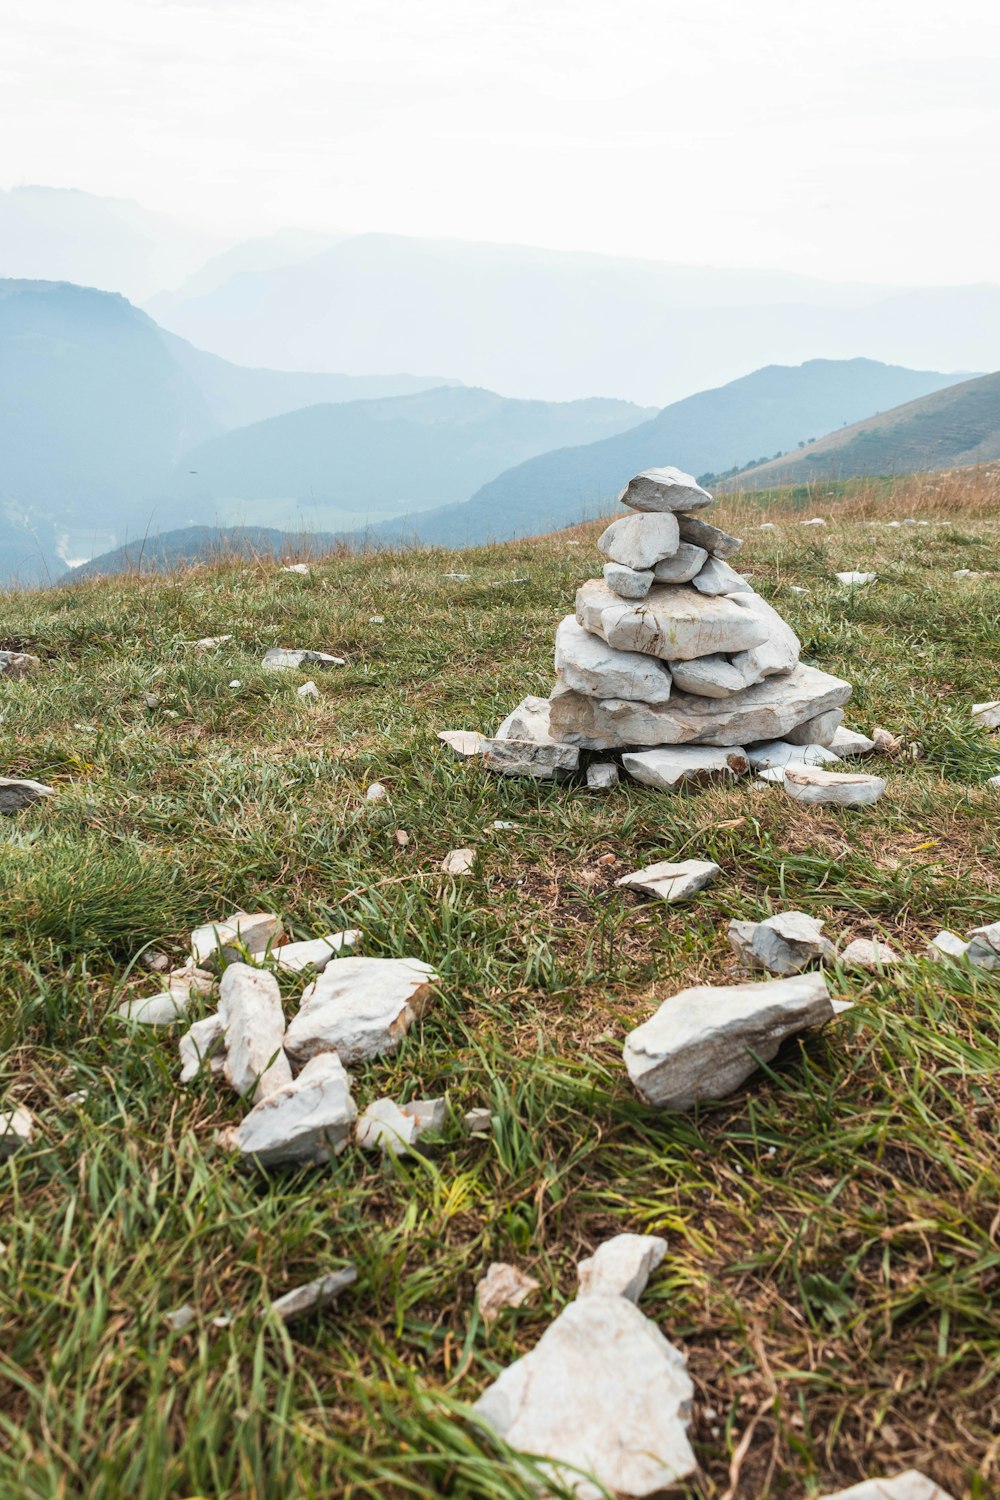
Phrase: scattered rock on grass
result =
(180, 1318)
(18, 664)
(669, 768)
(282, 659)
(786, 943)
(703, 1042)
(254, 1026)
(947, 945)
(910, 1485)
(478, 1121)
(16, 794)
(602, 776)
(836, 788)
(502, 1286)
(847, 742)
(302, 568)
(528, 758)
(984, 946)
(307, 690)
(203, 1042)
(987, 715)
(458, 862)
(621, 1266)
(307, 1121)
(244, 932)
(671, 882)
(313, 1296)
(315, 953)
(376, 793)
(383, 1127)
(17, 1128)
(465, 742)
(857, 580)
(885, 743)
(868, 953)
(359, 1008)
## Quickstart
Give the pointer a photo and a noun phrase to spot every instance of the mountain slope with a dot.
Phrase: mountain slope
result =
(189, 544)
(960, 425)
(770, 410)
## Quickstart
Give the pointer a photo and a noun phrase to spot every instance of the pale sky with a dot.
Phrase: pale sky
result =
(858, 139)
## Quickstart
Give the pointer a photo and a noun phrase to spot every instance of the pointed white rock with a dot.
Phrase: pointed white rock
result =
(783, 944)
(702, 1043)
(671, 767)
(847, 742)
(458, 862)
(254, 1027)
(529, 721)
(308, 1120)
(640, 541)
(383, 1127)
(717, 577)
(221, 942)
(779, 652)
(465, 742)
(664, 489)
(589, 665)
(315, 953)
(834, 788)
(165, 1008)
(621, 1266)
(307, 690)
(671, 882)
(203, 1043)
(360, 1008)
(699, 533)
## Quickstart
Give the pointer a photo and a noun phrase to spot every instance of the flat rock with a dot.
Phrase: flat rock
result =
(602, 776)
(165, 1008)
(313, 1296)
(458, 862)
(910, 1485)
(717, 577)
(684, 565)
(847, 742)
(254, 1028)
(478, 1121)
(664, 489)
(704, 1042)
(833, 788)
(22, 663)
(243, 933)
(947, 945)
(301, 568)
(778, 753)
(360, 1008)
(817, 731)
(868, 953)
(376, 793)
(986, 715)
(307, 690)
(621, 1266)
(706, 677)
(786, 943)
(383, 1127)
(309, 1120)
(501, 1287)
(529, 721)
(527, 758)
(857, 580)
(813, 521)
(640, 541)
(700, 534)
(673, 622)
(627, 583)
(779, 652)
(466, 743)
(671, 882)
(602, 1393)
(670, 768)
(314, 953)
(984, 946)
(203, 1043)
(587, 664)
(16, 794)
(281, 659)
(17, 1129)
(764, 712)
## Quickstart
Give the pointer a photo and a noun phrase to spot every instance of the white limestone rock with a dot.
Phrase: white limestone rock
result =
(986, 715)
(856, 580)
(429, 1114)
(717, 577)
(621, 1266)
(704, 1042)
(17, 1129)
(376, 792)
(244, 932)
(458, 862)
(671, 882)
(502, 1286)
(602, 776)
(640, 541)
(307, 690)
(984, 946)
(868, 953)
(627, 583)
(314, 953)
(529, 722)
(847, 743)
(282, 659)
(775, 754)
(699, 533)
(832, 788)
(17, 794)
(779, 651)
(706, 677)
(909, 1485)
(786, 943)
(300, 568)
(254, 1027)
(814, 521)
(589, 665)
(673, 622)
(203, 1043)
(818, 731)
(764, 712)
(947, 945)
(684, 565)
(551, 762)
(602, 1393)
(307, 1121)
(664, 489)
(359, 1008)
(478, 1121)
(313, 1296)
(466, 743)
(383, 1127)
(164, 1008)
(675, 765)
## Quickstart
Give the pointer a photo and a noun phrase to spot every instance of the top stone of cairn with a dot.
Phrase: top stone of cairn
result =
(664, 489)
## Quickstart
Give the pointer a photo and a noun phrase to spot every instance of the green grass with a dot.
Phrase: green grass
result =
(833, 1228)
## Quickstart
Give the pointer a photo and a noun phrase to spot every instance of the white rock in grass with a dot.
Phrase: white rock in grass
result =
(17, 794)
(527, 758)
(621, 1266)
(307, 690)
(589, 665)
(699, 533)
(672, 767)
(868, 953)
(671, 882)
(778, 753)
(993, 781)
(640, 541)
(313, 1296)
(707, 677)
(254, 1027)
(459, 862)
(308, 1120)
(685, 563)
(817, 731)
(203, 1043)
(165, 1008)
(22, 663)
(833, 788)
(664, 489)
(857, 580)
(628, 583)
(383, 1127)
(602, 776)
(478, 1121)
(779, 652)
(847, 742)
(211, 642)
(466, 743)
(315, 953)
(360, 1008)
(986, 715)
(602, 1393)
(429, 1114)
(376, 793)
(703, 1042)
(673, 623)
(814, 521)
(947, 945)
(225, 941)
(909, 1485)
(280, 659)
(302, 568)
(502, 1286)
(529, 721)
(984, 946)
(786, 943)
(17, 1128)
(717, 577)
(180, 1318)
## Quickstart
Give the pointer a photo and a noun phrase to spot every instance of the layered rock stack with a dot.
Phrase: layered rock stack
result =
(672, 647)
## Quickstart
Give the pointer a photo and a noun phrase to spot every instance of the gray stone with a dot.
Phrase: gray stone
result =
(589, 665)
(947, 945)
(280, 659)
(664, 489)
(466, 743)
(376, 793)
(673, 765)
(315, 953)
(780, 753)
(529, 721)
(673, 622)
(17, 1129)
(640, 541)
(764, 712)
(671, 882)
(779, 651)
(817, 731)
(986, 715)
(478, 1121)
(686, 562)
(16, 794)
(165, 1008)
(429, 1114)
(703, 1043)
(307, 1121)
(602, 776)
(847, 742)
(527, 758)
(621, 1266)
(786, 943)
(700, 534)
(22, 663)
(254, 1028)
(313, 1296)
(707, 677)
(717, 577)
(627, 583)
(909, 1485)
(360, 1008)
(833, 788)
(984, 946)
(180, 1318)
(868, 953)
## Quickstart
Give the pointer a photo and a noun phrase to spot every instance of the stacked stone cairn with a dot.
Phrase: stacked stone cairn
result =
(671, 657)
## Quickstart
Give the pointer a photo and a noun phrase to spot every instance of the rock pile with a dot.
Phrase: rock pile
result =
(672, 647)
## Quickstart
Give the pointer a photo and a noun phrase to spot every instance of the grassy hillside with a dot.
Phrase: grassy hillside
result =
(960, 425)
(832, 1263)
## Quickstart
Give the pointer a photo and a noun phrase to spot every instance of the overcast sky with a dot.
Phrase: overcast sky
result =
(855, 139)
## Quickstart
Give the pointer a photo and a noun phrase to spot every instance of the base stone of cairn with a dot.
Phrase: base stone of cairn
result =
(671, 647)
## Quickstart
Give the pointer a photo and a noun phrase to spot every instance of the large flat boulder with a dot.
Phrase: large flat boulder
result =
(673, 622)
